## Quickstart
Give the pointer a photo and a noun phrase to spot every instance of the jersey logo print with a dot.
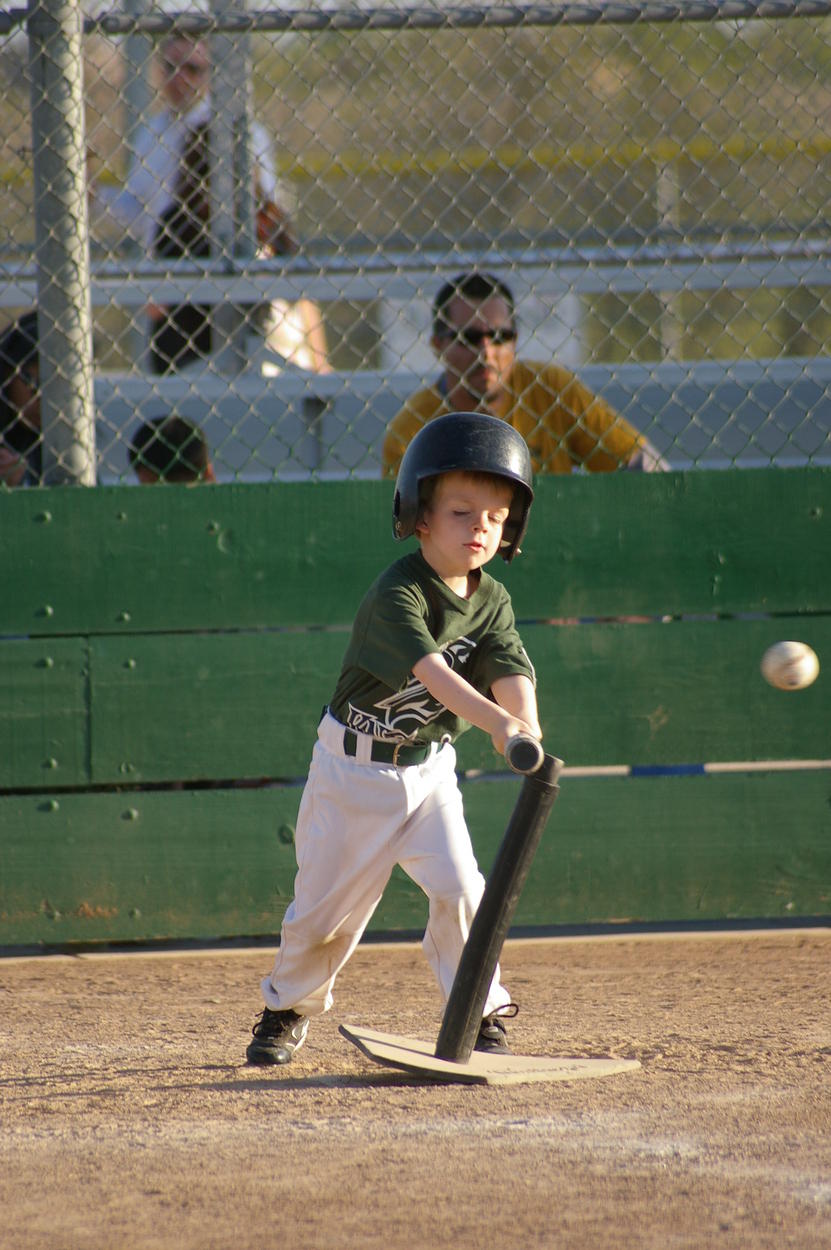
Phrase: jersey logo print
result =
(406, 711)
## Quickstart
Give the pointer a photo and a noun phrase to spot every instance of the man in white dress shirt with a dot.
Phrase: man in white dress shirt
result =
(165, 204)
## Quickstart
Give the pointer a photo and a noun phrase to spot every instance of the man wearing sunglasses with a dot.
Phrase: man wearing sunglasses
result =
(563, 423)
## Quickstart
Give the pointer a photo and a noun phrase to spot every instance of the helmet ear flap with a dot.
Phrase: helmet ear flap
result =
(465, 442)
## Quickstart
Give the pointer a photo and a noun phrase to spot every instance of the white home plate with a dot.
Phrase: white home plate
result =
(417, 1057)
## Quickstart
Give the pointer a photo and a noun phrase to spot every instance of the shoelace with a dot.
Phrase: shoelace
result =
(494, 1021)
(270, 1023)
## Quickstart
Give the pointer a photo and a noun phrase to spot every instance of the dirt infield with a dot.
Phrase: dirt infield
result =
(130, 1119)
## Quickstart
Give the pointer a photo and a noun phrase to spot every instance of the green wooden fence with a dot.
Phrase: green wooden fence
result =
(165, 653)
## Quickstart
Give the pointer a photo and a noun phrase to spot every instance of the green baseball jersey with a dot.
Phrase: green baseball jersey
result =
(408, 613)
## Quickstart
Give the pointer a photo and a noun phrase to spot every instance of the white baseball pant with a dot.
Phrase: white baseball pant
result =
(358, 819)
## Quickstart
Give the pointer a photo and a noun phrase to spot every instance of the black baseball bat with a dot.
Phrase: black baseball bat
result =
(465, 1004)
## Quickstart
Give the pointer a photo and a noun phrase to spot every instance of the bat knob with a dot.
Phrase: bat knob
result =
(524, 753)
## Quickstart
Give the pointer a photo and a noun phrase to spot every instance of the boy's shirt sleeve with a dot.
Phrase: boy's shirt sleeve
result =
(501, 653)
(394, 636)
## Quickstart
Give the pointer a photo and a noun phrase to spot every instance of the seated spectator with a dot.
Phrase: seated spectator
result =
(563, 423)
(20, 435)
(170, 449)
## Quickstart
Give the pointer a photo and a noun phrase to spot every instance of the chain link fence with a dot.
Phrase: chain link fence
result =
(243, 220)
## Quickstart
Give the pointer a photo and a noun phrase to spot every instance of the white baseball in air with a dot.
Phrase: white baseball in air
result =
(790, 665)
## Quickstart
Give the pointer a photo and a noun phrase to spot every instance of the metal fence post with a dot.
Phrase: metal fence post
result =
(231, 198)
(62, 241)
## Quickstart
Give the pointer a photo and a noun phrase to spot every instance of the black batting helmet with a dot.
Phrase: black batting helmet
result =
(469, 442)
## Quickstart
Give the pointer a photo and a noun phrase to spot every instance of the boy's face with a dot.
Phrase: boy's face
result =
(461, 530)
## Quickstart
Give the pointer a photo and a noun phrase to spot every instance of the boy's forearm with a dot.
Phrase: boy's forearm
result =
(462, 699)
(457, 694)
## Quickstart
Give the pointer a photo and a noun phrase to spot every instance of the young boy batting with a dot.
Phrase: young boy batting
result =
(434, 649)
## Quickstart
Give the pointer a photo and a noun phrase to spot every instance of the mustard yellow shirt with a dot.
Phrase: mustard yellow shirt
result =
(562, 422)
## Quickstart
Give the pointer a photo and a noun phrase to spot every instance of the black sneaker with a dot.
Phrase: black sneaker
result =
(493, 1036)
(277, 1035)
